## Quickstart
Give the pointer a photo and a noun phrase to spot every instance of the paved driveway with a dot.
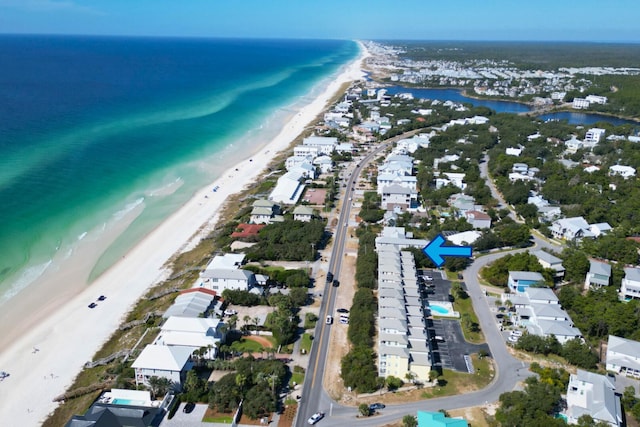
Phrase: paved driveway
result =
(194, 419)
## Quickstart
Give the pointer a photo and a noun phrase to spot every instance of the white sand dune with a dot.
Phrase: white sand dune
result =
(49, 345)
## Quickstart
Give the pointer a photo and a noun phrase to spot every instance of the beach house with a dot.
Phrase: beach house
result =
(630, 284)
(599, 275)
(303, 213)
(194, 333)
(193, 302)
(324, 144)
(478, 219)
(575, 228)
(223, 272)
(519, 281)
(623, 356)
(288, 188)
(594, 395)
(264, 212)
(170, 362)
(549, 261)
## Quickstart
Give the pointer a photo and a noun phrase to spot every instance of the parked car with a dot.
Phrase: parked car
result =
(102, 298)
(438, 338)
(516, 333)
(230, 312)
(188, 407)
(513, 338)
(342, 310)
(376, 406)
(93, 305)
(315, 418)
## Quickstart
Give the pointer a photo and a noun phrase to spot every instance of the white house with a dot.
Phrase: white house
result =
(624, 171)
(573, 145)
(464, 238)
(192, 332)
(599, 275)
(594, 135)
(594, 395)
(324, 163)
(596, 99)
(263, 212)
(288, 189)
(600, 228)
(580, 103)
(549, 261)
(630, 284)
(455, 179)
(574, 228)
(623, 356)
(303, 213)
(397, 164)
(520, 168)
(511, 151)
(294, 161)
(397, 196)
(163, 361)
(387, 179)
(306, 151)
(478, 219)
(325, 144)
(519, 281)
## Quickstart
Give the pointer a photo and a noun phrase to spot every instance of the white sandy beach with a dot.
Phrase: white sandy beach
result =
(48, 347)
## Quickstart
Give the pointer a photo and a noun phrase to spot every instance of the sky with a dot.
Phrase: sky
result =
(518, 20)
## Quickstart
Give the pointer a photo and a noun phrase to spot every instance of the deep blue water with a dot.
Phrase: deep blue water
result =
(457, 96)
(92, 126)
(574, 118)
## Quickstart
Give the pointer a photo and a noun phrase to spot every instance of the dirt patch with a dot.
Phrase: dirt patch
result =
(338, 342)
(260, 340)
(287, 417)
(476, 416)
(244, 420)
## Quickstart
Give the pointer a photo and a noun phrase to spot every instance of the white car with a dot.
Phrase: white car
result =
(315, 418)
(516, 333)
(329, 320)
(513, 339)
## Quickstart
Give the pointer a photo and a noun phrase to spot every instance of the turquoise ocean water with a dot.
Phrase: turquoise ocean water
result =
(92, 128)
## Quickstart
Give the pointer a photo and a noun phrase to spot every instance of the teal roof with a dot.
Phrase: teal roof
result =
(437, 419)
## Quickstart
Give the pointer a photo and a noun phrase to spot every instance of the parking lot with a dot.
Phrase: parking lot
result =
(451, 350)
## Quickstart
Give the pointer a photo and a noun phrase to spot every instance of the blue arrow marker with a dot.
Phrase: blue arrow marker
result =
(435, 250)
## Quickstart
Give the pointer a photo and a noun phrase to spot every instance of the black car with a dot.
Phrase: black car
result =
(329, 277)
(342, 310)
(376, 406)
(188, 407)
(102, 298)
(336, 283)
(93, 305)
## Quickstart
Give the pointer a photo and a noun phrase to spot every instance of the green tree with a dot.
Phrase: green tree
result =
(364, 410)
(409, 421)
(159, 386)
(393, 383)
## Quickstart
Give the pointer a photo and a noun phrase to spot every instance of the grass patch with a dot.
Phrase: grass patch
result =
(310, 320)
(246, 346)
(459, 382)
(305, 342)
(465, 306)
(296, 377)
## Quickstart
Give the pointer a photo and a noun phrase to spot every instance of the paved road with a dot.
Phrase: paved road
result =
(314, 398)
(509, 370)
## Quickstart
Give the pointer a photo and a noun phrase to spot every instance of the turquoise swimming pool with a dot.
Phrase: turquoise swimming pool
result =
(439, 309)
(128, 402)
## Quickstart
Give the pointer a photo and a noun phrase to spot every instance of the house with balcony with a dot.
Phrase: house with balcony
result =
(397, 197)
(630, 284)
(170, 362)
(599, 275)
(623, 356)
(519, 281)
(594, 395)
(303, 213)
(265, 212)
(387, 179)
(193, 333)
(575, 228)
(324, 144)
(549, 261)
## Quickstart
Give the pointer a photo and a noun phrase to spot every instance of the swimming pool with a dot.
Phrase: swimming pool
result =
(443, 309)
(128, 402)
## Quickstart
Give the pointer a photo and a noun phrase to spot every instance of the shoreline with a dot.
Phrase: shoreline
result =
(48, 348)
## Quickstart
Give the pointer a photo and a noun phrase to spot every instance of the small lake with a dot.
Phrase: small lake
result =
(577, 118)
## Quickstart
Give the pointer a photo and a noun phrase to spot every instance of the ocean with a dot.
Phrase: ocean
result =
(96, 129)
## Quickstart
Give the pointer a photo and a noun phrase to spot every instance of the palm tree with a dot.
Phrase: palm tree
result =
(159, 386)
(246, 320)
(256, 322)
(232, 322)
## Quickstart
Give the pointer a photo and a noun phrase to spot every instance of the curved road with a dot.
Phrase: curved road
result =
(509, 370)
